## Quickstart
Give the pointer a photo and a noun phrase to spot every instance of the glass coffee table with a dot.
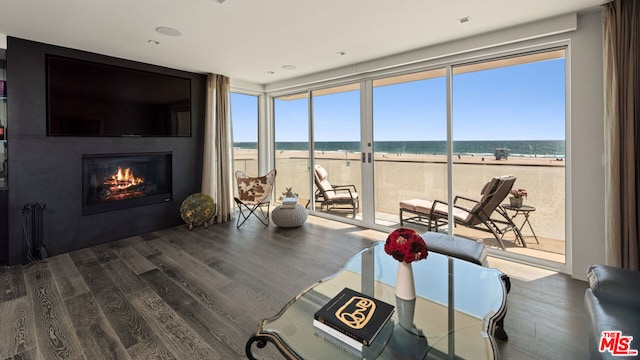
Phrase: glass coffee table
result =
(455, 313)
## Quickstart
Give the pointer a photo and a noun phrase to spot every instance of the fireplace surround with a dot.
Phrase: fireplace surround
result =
(119, 181)
(49, 169)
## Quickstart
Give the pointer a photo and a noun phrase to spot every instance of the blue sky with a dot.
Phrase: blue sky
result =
(522, 102)
(244, 114)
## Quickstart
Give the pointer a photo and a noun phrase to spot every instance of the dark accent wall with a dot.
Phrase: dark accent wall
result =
(48, 169)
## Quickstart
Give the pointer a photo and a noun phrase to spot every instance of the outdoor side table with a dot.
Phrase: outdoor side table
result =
(524, 210)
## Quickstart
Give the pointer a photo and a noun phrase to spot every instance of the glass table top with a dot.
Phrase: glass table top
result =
(456, 308)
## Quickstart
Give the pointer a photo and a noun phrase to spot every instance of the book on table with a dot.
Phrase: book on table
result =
(353, 317)
(289, 203)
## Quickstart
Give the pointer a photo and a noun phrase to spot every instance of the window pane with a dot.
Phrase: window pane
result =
(336, 131)
(509, 118)
(409, 130)
(291, 116)
(244, 118)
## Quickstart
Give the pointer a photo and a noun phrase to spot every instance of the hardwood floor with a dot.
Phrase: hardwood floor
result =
(179, 294)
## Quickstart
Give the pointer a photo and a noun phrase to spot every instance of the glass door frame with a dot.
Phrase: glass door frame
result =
(367, 160)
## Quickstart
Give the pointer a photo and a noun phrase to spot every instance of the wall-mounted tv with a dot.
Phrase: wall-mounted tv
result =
(92, 99)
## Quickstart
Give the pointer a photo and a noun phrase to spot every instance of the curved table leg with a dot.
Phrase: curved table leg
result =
(261, 343)
(499, 332)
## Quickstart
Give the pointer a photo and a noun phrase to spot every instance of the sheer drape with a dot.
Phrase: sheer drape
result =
(217, 180)
(622, 105)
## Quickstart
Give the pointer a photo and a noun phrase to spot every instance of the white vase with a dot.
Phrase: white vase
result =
(405, 287)
(405, 296)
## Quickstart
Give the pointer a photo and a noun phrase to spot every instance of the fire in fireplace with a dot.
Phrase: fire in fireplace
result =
(124, 185)
(118, 181)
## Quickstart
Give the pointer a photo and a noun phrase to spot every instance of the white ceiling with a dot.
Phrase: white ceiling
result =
(246, 39)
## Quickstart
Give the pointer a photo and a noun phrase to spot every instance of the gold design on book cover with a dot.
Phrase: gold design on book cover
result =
(356, 312)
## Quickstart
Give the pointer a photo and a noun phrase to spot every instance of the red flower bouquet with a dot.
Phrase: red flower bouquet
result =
(405, 245)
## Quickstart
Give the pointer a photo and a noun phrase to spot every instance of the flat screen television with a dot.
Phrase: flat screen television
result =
(92, 99)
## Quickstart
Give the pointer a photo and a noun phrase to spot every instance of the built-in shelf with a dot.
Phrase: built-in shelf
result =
(4, 202)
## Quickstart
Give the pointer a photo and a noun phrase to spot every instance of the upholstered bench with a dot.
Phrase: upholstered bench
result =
(457, 247)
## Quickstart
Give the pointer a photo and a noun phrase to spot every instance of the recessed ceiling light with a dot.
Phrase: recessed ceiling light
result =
(271, 72)
(463, 20)
(288, 67)
(153, 42)
(341, 53)
(168, 31)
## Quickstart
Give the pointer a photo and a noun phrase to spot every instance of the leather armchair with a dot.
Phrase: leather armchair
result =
(613, 304)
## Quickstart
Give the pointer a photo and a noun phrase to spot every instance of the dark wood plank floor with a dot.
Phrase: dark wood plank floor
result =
(178, 294)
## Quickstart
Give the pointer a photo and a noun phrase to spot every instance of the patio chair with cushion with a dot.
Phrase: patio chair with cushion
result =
(485, 214)
(254, 193)
(331, 195)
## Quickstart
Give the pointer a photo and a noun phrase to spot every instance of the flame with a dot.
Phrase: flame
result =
(124, 179)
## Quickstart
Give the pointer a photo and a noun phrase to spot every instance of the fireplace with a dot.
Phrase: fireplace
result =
(119, 181)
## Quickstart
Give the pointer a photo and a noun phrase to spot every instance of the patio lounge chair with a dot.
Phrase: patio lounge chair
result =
(485, 214)
(254, 193)
(329, 195)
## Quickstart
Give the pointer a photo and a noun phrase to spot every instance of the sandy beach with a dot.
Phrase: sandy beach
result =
(406, 176)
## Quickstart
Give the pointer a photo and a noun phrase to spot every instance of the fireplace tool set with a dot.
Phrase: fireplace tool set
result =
(32, 227)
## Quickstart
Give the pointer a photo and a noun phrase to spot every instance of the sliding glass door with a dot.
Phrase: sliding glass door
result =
(509, 119)
(430, 136)
(336, 144)
(292, 145)
(410, 141)
(328, 136)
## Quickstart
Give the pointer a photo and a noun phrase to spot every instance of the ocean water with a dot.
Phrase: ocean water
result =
(519, 148)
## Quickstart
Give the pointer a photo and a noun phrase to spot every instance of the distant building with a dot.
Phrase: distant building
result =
(501, 153)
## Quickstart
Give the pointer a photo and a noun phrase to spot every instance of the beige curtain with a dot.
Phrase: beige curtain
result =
(217, 180)
(622, 147)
